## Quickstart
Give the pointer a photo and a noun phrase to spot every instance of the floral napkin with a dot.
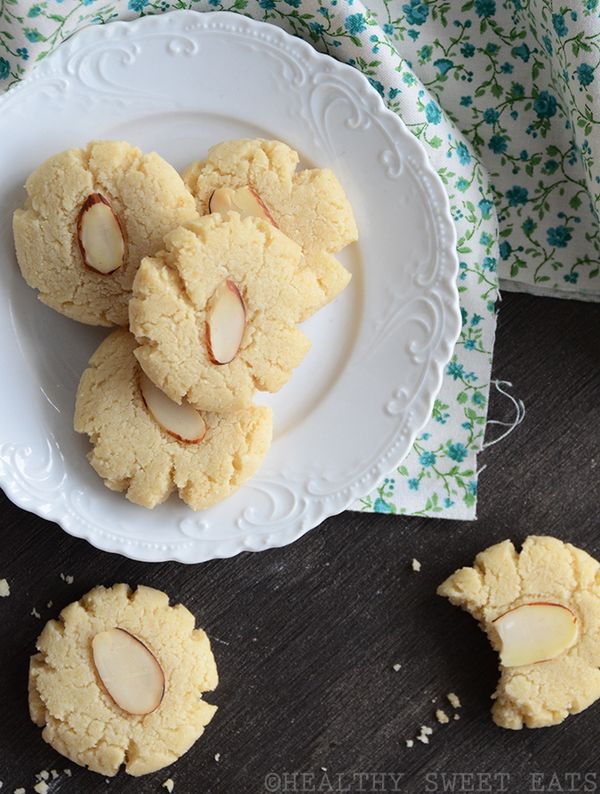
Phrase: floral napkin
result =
(517, 78)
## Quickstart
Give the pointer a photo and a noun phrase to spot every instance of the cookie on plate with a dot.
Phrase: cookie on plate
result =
(90, 216)
(259, 177)
(148, 446)
(119, 678)
(215, 312)
(541, 611)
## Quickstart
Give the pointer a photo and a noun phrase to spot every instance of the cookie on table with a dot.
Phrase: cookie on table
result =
(148, 446)
(259, 177)
(215, 312)
(119, 678)
(90, 216)
(541, 611)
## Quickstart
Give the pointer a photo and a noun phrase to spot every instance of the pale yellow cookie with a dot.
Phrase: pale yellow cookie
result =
(136, 435)
(541, 611)
(90, 216)
(175, 311)
(112, 653)
(309, 206)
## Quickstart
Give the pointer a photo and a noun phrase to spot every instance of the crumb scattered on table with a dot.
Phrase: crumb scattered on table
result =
(442, 717)
(416, 565)
(410, 743)
(457, 716)
(396, 667)
(68, 579)
(217, 757)
(4, 588)
(454, 700)
(35, 613)
(426, 732)
(41, 787)
(169, 785)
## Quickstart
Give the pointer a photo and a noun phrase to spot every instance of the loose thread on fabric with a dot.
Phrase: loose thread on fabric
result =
(519, 406)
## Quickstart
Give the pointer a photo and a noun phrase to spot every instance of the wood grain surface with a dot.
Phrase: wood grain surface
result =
(306, 636)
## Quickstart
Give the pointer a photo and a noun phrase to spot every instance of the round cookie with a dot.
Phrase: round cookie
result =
(134, 453)
(540, 608)
(142, 198)
(309, 206)
(69, 688)
(173, 316)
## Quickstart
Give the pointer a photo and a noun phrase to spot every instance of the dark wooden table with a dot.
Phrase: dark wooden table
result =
(306, 636)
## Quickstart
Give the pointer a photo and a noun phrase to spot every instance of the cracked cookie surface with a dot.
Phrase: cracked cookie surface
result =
(171, 295)
(546, 571)
(309, 206)
(82, 722)
(133, 453)
(149, 199)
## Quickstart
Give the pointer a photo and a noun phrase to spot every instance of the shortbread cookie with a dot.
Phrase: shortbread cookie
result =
(215, 313)
(259, 177)
(148, 446)
(119, 680)
(90, 216)
(541, 611)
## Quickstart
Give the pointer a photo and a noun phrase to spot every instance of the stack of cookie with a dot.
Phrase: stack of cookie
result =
(208, 276)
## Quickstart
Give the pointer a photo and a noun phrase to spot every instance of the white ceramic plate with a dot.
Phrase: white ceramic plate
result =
(178, 83)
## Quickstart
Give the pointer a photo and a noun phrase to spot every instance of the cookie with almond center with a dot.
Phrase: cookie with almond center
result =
(261, 178)
(118, 680)
(90, 216)
(540, 608)
(215, 313)
(147, 446)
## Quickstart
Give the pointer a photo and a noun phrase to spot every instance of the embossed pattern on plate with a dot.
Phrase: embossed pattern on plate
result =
(177, 83)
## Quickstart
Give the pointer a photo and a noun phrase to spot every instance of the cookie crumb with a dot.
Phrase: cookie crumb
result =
(43, 775)
(457, 716)
(169, 785)
(426, 732)
(217, 757)
(442, 717)
(35, 613)
(4, 588)
(54, 774)
(410, 743)
(42, 787)
(19, 791)
(396, 667)
(67, 772)
(416, 565)
(323, 769)
(50, 604)
(454, 700)
(68, 579)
